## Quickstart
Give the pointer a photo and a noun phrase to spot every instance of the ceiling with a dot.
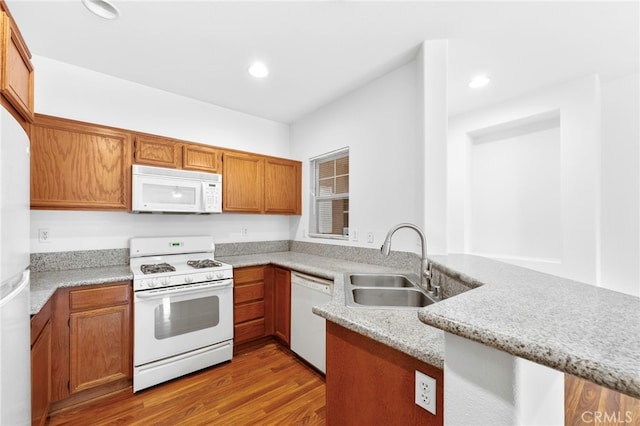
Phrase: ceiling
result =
(318, 51)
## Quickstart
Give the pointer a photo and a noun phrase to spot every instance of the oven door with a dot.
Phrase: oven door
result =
(172, 321)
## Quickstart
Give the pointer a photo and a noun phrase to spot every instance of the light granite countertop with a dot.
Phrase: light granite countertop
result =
(576, 328)
(44, 284)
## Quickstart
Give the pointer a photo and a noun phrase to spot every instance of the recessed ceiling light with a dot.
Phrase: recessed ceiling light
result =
(102, 8)
(479, 81)
(258, 70)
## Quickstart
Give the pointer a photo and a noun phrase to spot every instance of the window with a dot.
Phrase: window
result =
(330, 195)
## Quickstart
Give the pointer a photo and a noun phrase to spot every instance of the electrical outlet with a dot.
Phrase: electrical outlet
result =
(426, 392)
(370, 237)
(44, 235)
(245, 232)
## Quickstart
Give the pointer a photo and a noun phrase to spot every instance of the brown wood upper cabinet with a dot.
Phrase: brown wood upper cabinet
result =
(259, 184)
(282, 186)
(175, 154)
(157, 151)
(16, 75)
(79, 166)
(201, 158)
(242, 182)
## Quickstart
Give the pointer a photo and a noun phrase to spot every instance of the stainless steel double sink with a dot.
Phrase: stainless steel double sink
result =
(384, 291)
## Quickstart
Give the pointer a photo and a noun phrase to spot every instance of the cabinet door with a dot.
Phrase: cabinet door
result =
(41, 376)
(282, 186)
(200, 158)
(242, 183)
(79, 166)
(41, 365)
(156, 151)
(16, 78)
(282, 304)
(99, 347)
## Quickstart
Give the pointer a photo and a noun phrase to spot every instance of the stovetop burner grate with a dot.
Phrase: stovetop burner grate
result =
(204, 263)
(157, 268)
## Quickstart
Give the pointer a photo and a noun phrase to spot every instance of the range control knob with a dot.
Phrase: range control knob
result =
(209, 276)
(219, 274)
(166, 281)
(188, 279)
(152, 283)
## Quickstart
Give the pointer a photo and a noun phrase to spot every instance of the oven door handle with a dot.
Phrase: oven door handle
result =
(160, 293)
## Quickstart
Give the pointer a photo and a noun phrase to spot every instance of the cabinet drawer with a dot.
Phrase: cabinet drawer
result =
(246, 275)
(247, 292)
(248, 330)
(91, 298)
(248, 312)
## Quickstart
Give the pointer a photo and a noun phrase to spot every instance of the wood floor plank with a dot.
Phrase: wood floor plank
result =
(264, 386)
(589, 404)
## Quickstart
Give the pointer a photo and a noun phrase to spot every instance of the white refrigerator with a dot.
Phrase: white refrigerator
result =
(15, 342)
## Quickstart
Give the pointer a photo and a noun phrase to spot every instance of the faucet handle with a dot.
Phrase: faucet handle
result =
(437, 291)
(427, 271)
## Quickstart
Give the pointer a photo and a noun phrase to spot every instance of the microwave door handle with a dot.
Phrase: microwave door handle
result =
(203, 197)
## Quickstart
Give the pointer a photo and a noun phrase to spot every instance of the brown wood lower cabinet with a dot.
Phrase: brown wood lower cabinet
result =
(41, 365)
(371, 383)
(262, 303)
(282, 305)
(93, 345)
(252, 303)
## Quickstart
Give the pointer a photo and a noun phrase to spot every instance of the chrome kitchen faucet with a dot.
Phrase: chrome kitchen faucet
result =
(425, 267)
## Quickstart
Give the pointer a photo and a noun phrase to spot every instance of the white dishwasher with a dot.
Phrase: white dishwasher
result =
(308, 337)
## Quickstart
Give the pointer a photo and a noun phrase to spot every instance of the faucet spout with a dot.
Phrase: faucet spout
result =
(425, 267)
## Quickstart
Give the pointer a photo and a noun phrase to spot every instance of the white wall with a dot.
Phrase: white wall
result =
(486, 386)
(432, 62)
(68, 91)
(620, 184)
(379, 123)
(578, 104)
(515, 181)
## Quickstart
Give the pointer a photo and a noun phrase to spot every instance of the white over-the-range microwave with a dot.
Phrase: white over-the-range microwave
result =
(162, 190)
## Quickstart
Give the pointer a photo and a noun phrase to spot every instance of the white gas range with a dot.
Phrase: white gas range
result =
(183, 308)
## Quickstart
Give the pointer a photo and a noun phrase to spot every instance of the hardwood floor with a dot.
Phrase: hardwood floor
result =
(586, 403)
(265, 385)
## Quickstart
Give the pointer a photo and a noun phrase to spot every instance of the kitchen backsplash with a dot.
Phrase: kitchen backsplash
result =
(397, 259)
(61, 261)
(450, 282)
(58, 261)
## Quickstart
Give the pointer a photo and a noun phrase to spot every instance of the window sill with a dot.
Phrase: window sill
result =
(329, 236)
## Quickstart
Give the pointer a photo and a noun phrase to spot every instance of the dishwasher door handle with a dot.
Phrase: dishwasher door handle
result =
(323, 281)
(314, 283)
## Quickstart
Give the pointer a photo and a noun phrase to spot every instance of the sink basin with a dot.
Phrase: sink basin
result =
(376, 280)
(403, 297)
(384, 291)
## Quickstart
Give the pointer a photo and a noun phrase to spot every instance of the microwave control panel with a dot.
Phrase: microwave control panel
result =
(212, 198)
